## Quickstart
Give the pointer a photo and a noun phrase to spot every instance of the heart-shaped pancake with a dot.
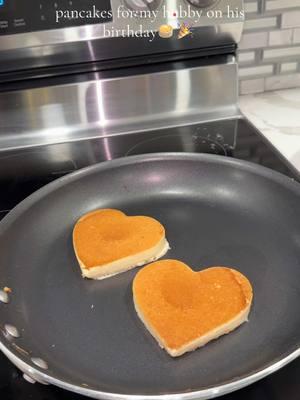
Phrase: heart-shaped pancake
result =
(184, 309)
(107, 242)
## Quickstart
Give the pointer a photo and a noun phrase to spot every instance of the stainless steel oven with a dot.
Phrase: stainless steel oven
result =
(86, 81)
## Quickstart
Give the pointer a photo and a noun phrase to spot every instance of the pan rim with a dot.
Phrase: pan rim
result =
(233, 385)
(261, 170)
(202, 394)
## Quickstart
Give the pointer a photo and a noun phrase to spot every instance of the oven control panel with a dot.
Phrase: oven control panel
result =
(19, 16)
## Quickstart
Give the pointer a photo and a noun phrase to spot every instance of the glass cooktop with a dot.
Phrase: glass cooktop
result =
(26, 170)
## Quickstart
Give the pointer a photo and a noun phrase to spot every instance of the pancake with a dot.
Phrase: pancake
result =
(184, 309)
(107, 242)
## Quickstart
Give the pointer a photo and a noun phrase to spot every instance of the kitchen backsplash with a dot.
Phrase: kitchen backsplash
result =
(269, 52)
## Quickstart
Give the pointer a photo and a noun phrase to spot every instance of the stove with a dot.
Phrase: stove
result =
(79, 91)
(25, 170)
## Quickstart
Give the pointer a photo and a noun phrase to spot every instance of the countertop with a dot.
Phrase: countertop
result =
(277, 115)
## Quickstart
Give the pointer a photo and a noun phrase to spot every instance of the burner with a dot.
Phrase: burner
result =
(203, 3)
(178, 143)
(142, 5)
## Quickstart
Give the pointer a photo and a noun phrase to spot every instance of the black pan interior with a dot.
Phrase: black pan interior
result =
(216, 212)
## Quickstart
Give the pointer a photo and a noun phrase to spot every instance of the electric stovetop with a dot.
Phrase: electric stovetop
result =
(23, 171)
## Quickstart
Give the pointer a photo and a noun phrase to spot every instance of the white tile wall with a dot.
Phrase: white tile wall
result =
(282, 52)
(296, 36)
(280, 37)
(256, 71)
(260, 23)
(254, 40)
(289, 67)
(251, 7)
(246, 57)
(269, 52)
(252, 86)
(290, 19)
(282, 82)
(281, 4)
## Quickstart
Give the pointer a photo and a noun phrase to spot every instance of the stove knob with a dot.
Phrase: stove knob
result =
(203, 3)
(142, 5)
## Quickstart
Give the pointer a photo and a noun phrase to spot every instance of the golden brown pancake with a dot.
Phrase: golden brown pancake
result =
(184, 309)
(107, 242)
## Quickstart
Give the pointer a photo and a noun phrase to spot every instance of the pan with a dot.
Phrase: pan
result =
(85, 336)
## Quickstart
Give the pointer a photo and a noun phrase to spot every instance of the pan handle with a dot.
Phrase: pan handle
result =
(28, 376)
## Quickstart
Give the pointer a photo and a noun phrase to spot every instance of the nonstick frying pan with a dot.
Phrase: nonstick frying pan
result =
(85, 336)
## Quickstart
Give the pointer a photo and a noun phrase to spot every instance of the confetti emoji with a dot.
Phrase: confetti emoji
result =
(184, 31)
